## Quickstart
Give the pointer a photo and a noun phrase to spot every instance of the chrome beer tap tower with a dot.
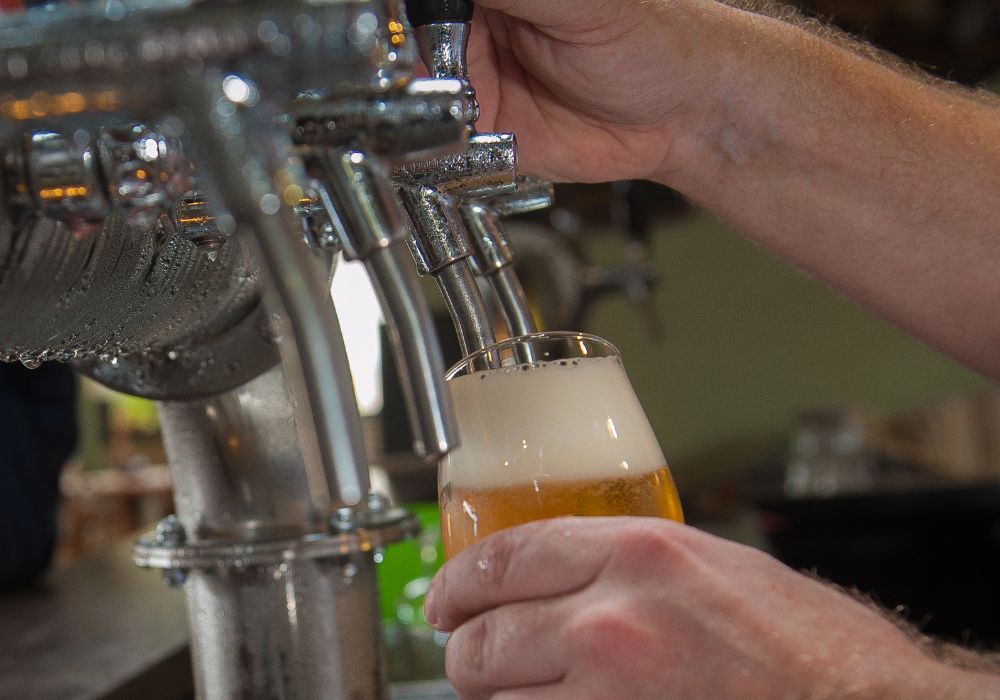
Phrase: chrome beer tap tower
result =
(178, 178)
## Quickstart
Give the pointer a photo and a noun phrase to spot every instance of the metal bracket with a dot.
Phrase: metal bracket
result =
(361, 533)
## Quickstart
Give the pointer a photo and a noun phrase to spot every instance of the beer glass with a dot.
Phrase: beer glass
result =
(549, 426)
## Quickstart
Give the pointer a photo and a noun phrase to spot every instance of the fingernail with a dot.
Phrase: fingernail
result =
(430, 612)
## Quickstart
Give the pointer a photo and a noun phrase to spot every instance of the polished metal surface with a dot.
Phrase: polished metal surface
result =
(192, 371)
(365, 202)
(192, 219)
(417, 352)
(177, 176)
(451, 202)
(66, 183)
(494, 260)
(237, 470)
(438, 237)
(157, 307)
(244, 155)
(487, 166)
(466, 306)
(306, 628)
(530, 195)
(442, 49)
(146, 172)
(423, 119)
(492, 250)
(374, 226)
(78, 178)
(432, 192)
(214, 556)
(514, 302)
(278, 605)
(102, 58)
(493, 254)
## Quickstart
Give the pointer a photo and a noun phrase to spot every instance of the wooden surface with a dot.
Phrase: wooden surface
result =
(100, 629)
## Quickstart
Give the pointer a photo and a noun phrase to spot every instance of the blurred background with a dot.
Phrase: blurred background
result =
(792, 419)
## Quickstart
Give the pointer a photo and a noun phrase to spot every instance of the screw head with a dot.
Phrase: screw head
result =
(344, 520)
(378, 502)
(174, 578)
(170, 532)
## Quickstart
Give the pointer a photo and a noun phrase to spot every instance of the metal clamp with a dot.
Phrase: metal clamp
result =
(350, 533)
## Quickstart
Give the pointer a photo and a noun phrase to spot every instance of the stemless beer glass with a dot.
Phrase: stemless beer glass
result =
(549, 426)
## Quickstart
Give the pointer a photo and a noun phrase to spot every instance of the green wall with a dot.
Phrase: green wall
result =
(748, 343)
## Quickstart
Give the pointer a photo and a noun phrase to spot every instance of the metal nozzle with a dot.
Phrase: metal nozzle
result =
(373, 225)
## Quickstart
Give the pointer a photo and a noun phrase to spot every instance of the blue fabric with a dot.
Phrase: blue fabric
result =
(38, 433)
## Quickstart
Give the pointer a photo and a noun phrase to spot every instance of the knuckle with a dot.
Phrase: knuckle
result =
(495, 558)
(467, 653)
(606, 628)
(647, 546)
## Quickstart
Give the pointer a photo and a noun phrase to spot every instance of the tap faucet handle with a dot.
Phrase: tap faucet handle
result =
(424, 12)
(442, 30)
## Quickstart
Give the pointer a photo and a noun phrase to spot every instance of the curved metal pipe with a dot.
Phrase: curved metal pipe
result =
(466, 306)
(233, 143)
(373, 224)
(417, 352)
(513, 301)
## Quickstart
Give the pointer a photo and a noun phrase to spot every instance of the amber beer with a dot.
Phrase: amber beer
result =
(548, 439)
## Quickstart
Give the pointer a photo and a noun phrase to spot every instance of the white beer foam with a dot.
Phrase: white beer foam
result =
(551, 421)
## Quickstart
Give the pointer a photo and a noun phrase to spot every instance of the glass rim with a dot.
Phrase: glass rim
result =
(521, 340)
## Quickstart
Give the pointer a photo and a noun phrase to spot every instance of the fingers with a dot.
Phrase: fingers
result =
(537, 560)
(511, 566)
(510, 647)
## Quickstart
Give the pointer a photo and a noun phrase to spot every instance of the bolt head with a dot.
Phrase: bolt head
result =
(175, 578)
(170, 532)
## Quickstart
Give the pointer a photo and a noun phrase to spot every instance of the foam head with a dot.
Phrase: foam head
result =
(565, 420)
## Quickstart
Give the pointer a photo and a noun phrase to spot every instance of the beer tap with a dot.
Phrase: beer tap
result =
(456, 203)
(494, 257)
(347, 144)
(187, 285)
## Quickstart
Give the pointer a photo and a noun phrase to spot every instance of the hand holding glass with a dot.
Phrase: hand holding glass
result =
(550, 426)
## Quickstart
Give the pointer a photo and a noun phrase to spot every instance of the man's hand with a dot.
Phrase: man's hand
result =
(636, 608)
(590, 88)
(870, 178)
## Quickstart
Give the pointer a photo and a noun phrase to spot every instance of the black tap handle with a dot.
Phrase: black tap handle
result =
(423, 12)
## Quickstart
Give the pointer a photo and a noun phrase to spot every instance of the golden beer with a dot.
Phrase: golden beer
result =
(468, 515)
(549, 438)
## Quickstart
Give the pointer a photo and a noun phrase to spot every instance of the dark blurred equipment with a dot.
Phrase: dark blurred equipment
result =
(904, 508)
(562, 283)
(37, 435)
(933, 554)
(955, 39)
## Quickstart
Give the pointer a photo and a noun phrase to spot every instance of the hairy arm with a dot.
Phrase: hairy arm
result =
(864, 173)
(880, 182)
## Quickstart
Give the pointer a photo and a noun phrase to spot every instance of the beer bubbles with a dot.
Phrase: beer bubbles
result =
(550, 426)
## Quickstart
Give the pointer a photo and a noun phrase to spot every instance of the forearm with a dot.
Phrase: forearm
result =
(946, 683)
(885, 186)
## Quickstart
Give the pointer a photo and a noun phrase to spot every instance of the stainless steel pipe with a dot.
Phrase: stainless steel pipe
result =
(268, 619)
(244, 152)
